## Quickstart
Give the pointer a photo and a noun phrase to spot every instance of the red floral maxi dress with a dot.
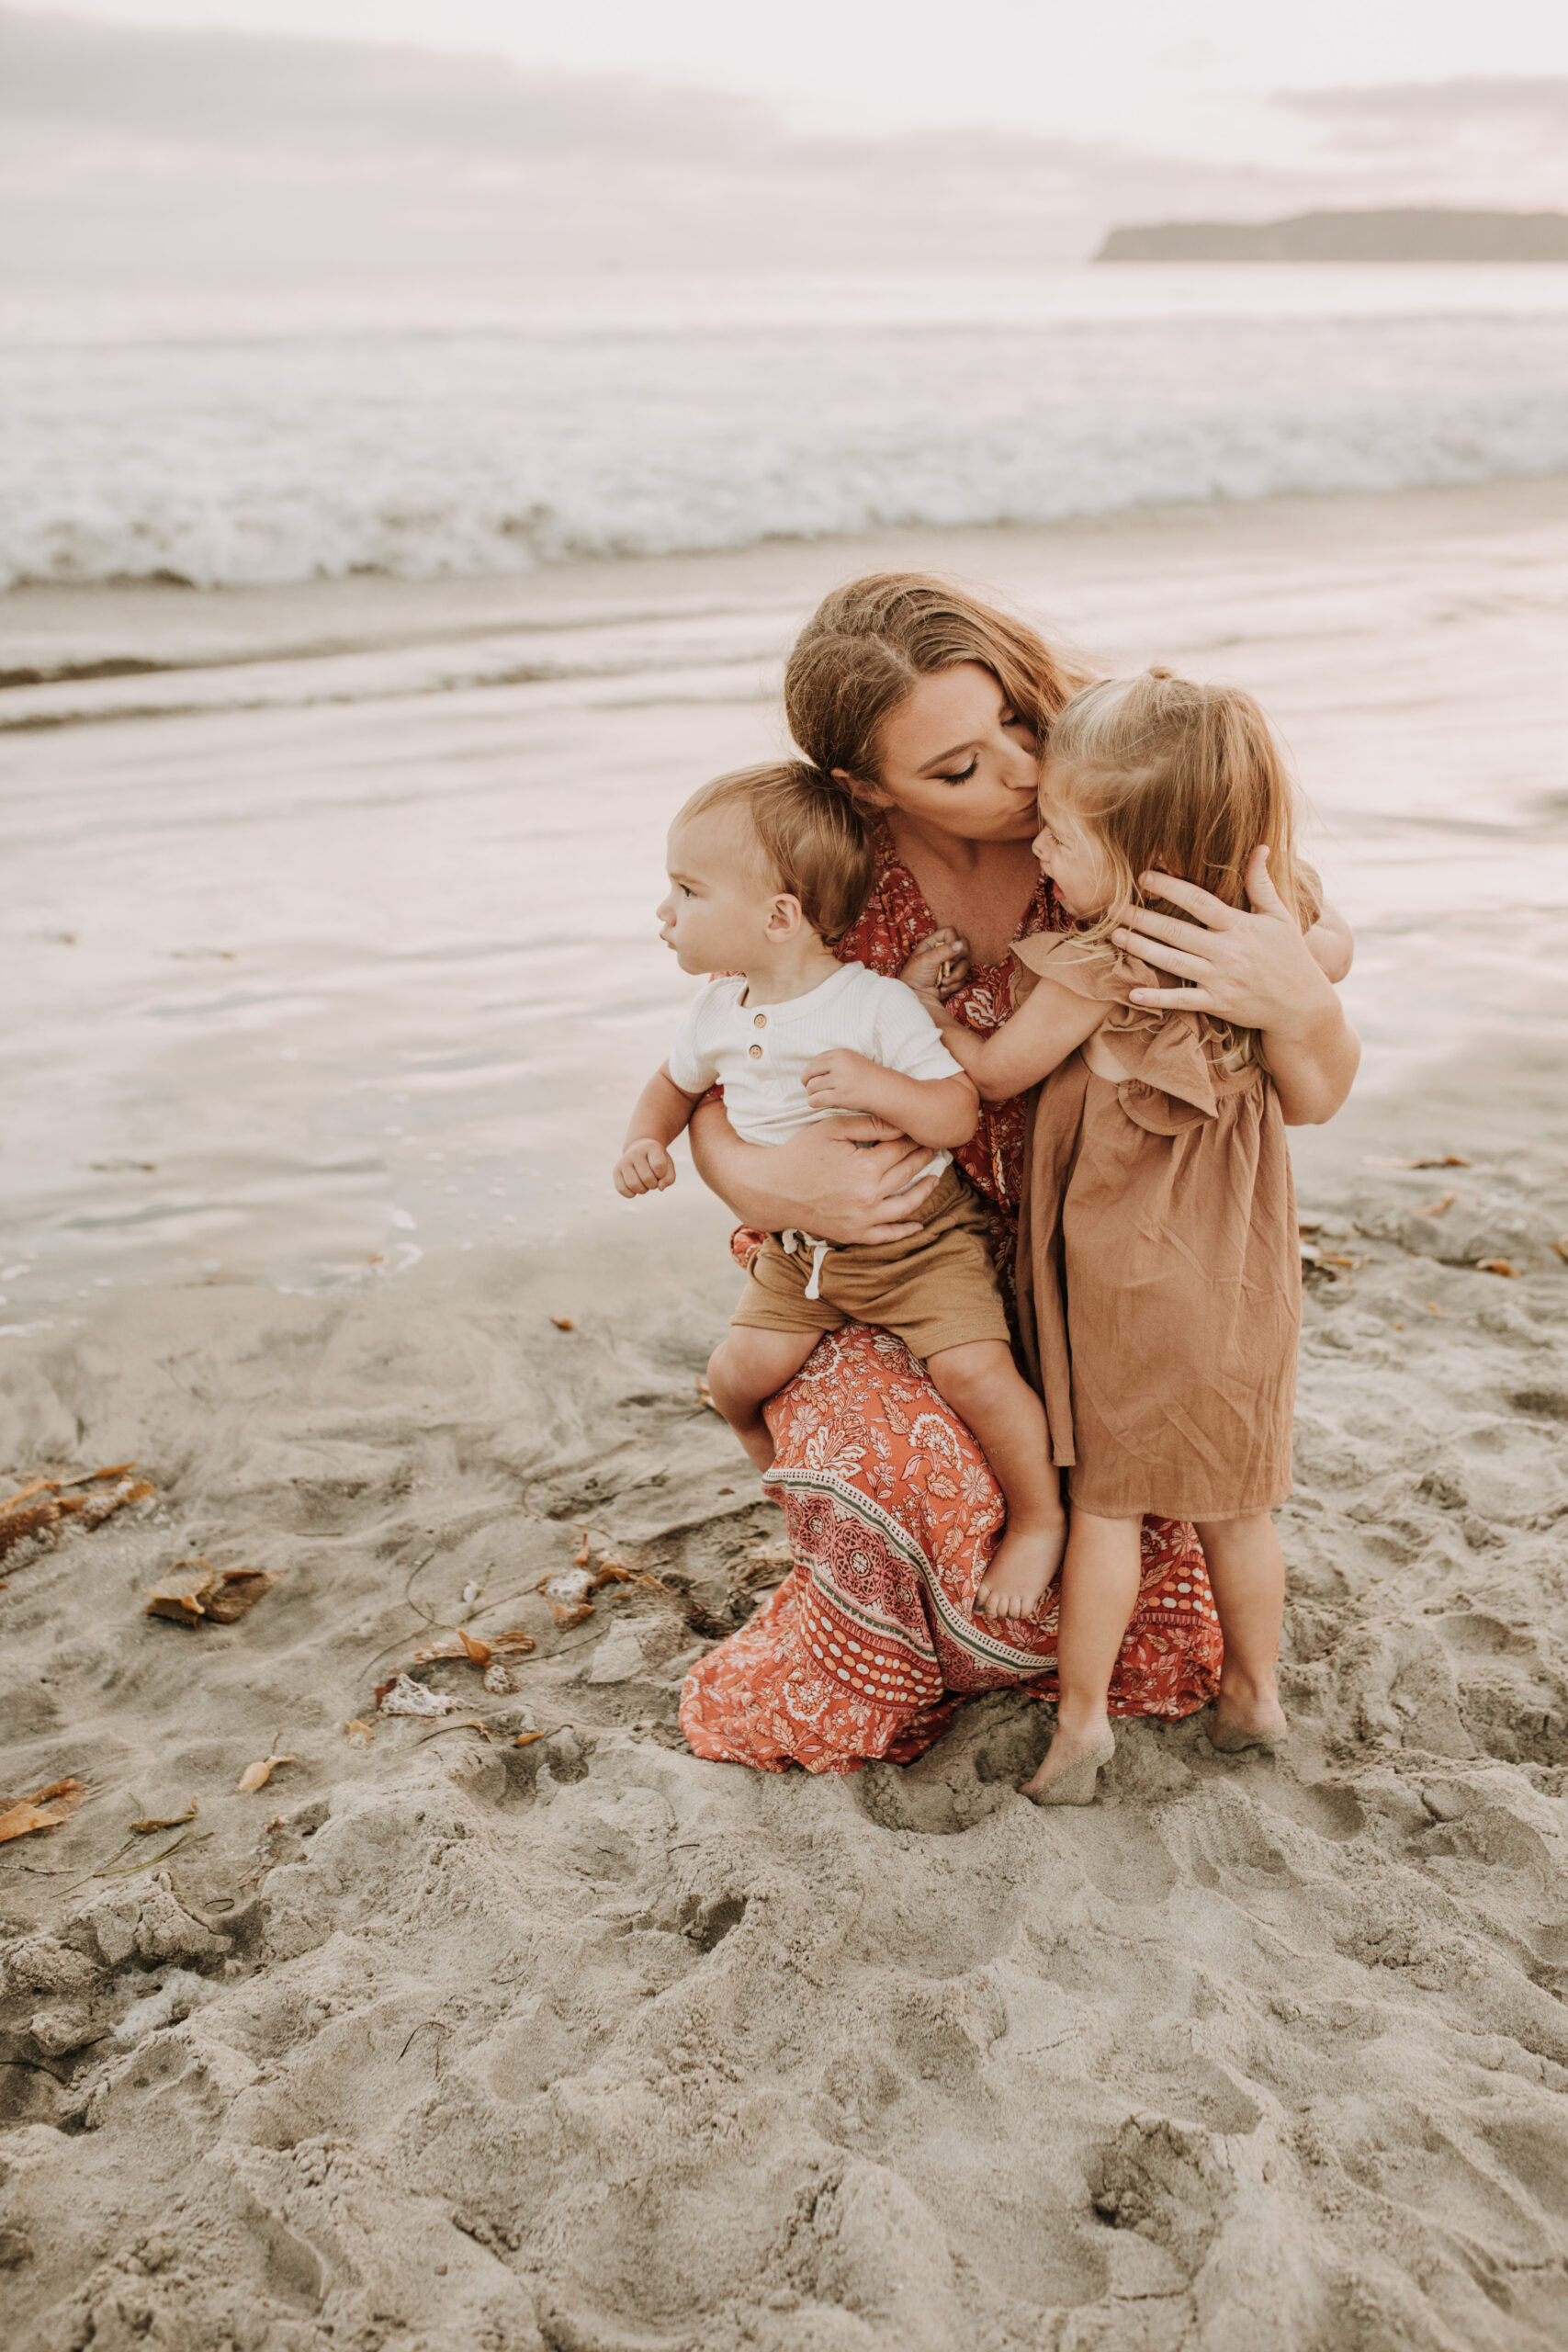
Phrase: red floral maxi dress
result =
(867, 1646)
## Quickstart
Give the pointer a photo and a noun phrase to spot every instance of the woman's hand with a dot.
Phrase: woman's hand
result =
(1255, 969)
(937, 969)
(837, 1179)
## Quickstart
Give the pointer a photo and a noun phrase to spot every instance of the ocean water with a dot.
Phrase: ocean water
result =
(279, 438)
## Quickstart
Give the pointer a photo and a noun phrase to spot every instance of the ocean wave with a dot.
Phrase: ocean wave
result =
(465, 455)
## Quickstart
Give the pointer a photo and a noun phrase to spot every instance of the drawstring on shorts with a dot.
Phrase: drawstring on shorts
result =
(792, 1239)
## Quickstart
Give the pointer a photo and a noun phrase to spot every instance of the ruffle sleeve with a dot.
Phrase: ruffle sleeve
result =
(1163, 1053)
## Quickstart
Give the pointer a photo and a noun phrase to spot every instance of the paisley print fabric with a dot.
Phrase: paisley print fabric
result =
(865, 1649)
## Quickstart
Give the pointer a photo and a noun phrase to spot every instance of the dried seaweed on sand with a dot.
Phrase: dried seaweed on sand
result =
(43, 1500)
(45, 1809)
(194, 1590)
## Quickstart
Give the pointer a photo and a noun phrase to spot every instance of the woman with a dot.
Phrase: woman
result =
(929, 708)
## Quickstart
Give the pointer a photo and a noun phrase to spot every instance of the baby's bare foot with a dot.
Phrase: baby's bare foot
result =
(1020, 1571)
(1238, 1724)
(1074, 1762)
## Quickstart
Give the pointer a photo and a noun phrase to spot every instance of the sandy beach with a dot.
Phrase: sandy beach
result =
(337, 970)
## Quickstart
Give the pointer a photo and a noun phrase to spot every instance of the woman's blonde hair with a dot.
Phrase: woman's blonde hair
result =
(869, 644)
(1182, 779)
(813, 840)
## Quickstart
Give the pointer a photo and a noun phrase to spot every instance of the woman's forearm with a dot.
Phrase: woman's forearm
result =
(836, 1179)
(1331, 943)
(1314, 1063)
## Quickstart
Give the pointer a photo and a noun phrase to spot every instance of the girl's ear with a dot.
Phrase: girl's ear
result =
(784, 919)
(864, 795)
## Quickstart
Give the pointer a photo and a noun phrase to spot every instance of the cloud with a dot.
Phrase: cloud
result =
(131, 156)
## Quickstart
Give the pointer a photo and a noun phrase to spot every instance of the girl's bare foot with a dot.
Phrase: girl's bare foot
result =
(1074, 1762)
(1021, 1569)
(1238, 1724)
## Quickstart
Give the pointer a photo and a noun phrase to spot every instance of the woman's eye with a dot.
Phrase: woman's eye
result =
(964, 774)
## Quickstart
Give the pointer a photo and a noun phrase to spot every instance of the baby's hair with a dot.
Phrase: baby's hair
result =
(814, 840)
(1182, 779)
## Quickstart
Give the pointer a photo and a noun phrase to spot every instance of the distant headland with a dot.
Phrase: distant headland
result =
(1411, 234)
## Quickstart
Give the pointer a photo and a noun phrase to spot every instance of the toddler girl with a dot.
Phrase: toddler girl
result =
(767, 868)
(1159, 1273)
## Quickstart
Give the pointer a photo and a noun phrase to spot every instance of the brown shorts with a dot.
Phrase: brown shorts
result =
(936, 1290)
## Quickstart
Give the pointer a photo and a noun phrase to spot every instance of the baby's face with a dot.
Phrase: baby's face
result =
(714, 913)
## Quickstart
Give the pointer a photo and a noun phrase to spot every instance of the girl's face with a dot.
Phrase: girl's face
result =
(1070, 854)
(956, 758)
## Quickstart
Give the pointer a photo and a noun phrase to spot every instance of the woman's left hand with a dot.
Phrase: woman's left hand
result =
(1255, 969)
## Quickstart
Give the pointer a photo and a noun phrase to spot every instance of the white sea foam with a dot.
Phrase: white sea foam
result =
(280, 439)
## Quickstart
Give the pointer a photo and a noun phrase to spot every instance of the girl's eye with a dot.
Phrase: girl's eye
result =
(964, 774)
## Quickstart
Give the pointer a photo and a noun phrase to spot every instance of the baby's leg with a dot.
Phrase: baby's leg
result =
(1099, 1591)
(748, 1368)
(983, 1384)
(1247, 1570)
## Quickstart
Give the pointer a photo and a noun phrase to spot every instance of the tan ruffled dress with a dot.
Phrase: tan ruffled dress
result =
(1158, 1266)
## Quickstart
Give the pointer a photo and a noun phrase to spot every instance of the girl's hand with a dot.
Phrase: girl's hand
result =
(841, 1080)
(937, 969)
(644, 1167)
(1255, 968)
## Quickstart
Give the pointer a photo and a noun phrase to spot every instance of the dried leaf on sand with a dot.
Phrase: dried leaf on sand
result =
(563, 1322)
(513, 1643)
(360, 1733)
(526, 1738)
(1439, 1208)
(1561, 1246)
(257, 1776)
(194, 1590)
(403, 1696)
(1498, 1266)
(45, 1809)
(169, 1821)
(41, 1502)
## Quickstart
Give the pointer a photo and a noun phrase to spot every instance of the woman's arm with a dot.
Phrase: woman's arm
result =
(1331, 943)
(940, 1112)
(837, 1179)
(1258, 970)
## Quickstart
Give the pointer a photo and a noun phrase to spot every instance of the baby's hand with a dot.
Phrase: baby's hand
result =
(644, 1167)
(841, 1080)
(937, 969)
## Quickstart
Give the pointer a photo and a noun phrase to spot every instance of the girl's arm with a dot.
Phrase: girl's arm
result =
(940, 1112)
(1050, 1024)
(837, 1179)
(1258, 970)
(662, 1112)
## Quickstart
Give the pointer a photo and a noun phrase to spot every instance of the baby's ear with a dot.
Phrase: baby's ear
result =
(785, 917)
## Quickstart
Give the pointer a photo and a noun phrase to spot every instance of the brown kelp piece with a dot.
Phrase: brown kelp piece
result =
(181, 1591)
(1439, 1208)
(257, 1776)
(43, 1500)
(1443, 1160)
(171, 1821)
(45, 1809)
(563, 1322)
(568, 1592)
(1498, 1266)
(194, 1590)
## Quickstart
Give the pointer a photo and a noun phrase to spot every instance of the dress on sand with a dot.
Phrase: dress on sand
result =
(892, 1513)
(1159, 1273)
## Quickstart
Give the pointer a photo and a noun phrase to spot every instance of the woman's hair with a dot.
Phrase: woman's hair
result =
(813, 840)
(869, 644)
(1183, 779)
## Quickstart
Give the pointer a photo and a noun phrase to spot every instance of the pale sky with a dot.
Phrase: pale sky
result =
(1189, 79)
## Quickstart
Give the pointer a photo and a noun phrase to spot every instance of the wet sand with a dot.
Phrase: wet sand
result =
(440, 2042)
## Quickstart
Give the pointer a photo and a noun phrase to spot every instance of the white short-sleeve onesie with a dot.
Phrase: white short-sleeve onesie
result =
(760, 1055)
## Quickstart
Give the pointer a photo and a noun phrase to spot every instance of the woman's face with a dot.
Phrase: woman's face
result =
(955, 757)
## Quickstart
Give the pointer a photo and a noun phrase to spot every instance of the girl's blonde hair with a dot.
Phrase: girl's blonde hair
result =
(1183, 779)
(869, 644)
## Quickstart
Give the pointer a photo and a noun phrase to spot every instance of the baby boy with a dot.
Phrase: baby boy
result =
(768, 867)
